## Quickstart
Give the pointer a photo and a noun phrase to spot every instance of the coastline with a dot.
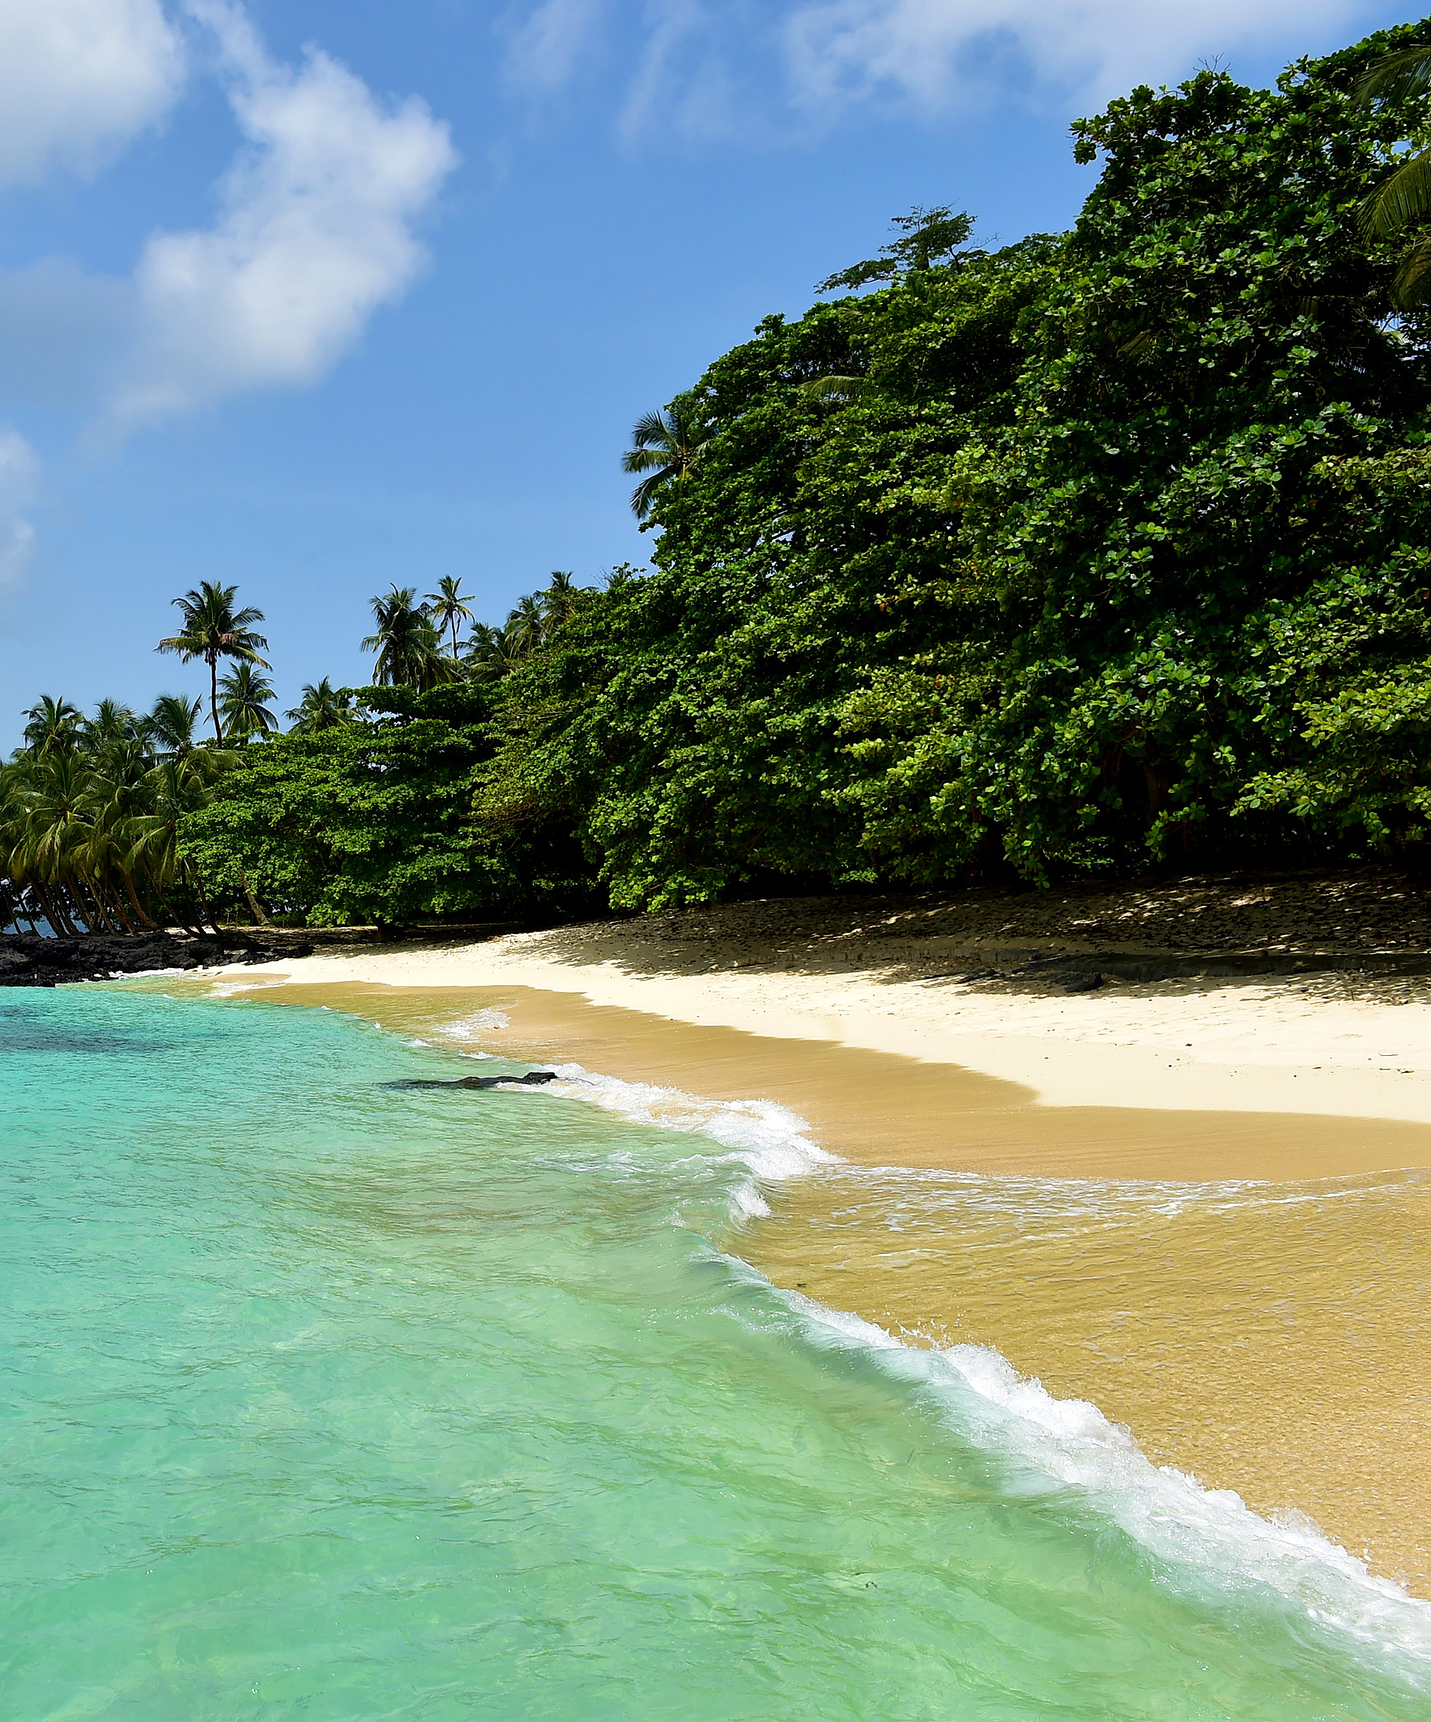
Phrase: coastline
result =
(1314, 1044)
(1268, 1338)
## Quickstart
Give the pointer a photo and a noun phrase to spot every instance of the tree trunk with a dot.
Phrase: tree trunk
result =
(254, 908)
(59, 926)
(214, 697)
(57, 912)
(79, 889)
(134, 902)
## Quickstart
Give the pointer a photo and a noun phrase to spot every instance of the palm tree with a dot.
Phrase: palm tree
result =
(244, 691)
(111, 722)
(407, 644)
(52, 725)
(1403, 200)
(447, 606)
(669, 445)
(561, 600)
(526, 626)
(172, 722)
(321, 708)
(488, 653)
(213, 629)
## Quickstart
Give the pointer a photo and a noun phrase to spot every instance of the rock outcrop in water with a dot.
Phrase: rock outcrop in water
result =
(532, 1079)
(27, 960)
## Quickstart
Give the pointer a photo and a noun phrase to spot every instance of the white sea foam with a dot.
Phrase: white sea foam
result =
(232, 988)
(769, 1141)
(1207, 1536)
(469, 1027)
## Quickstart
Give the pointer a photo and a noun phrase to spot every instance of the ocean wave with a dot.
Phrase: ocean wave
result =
(1207, 1536)
(1210, 1540)
(767, 1140)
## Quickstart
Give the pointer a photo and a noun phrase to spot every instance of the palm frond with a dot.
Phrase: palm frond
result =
(650, 430)
(1403, 200)
(646, 460)
(836, 388)
(643, 498)
(1396, 76)
(1411, 285)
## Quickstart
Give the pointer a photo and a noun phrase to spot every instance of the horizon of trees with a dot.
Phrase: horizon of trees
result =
(1106, 550)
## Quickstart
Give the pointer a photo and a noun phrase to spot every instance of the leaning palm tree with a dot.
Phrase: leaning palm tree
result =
(1403, 200)
(669, 445)
(242, 693)
(213, 629)
(448, 606)
(407, 645)
(321, 708)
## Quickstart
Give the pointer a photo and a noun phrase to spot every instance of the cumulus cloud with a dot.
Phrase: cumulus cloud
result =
(930, 52)
(316, 229)
(19, 476)
(79, 79)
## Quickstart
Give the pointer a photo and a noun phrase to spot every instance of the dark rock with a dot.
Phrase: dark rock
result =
(1086, 981)
(532, 1079)
(26, 960)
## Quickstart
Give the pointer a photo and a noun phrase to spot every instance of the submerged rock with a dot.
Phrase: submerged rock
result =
(532, 1079)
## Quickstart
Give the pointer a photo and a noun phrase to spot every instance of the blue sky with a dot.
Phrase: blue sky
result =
(321, 295)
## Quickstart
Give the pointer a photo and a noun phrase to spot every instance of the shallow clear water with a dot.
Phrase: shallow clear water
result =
(329, 1399)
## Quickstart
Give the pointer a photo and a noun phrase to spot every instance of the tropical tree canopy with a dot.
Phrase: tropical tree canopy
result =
(89, 819)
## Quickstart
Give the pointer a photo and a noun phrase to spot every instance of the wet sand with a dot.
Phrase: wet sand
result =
(1246, 1290)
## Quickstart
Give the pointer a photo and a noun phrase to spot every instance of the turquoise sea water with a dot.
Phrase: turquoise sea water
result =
(331, 1399)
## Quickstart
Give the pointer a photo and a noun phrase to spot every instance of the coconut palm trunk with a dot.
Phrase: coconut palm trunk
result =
(214, 696)
(133, 896)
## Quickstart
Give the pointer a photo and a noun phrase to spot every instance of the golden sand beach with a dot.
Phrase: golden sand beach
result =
(1205, 1207)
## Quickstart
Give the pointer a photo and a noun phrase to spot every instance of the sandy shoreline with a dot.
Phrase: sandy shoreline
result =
(1282, 1046)
(1273, 1339)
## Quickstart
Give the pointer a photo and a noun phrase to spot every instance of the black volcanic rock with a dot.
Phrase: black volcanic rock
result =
(26, 960)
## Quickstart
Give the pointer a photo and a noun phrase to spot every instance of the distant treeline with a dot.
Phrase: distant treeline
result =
(1104, 550)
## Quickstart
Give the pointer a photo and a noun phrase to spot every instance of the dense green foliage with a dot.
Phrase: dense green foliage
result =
(369, 820)
(90, 810)
(1106, 549)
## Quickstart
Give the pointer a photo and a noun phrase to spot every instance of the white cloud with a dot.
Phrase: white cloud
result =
(19, 475)
(79, 79)
(934, 52)
(546, 50)
(733, 67)
(316, 230)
